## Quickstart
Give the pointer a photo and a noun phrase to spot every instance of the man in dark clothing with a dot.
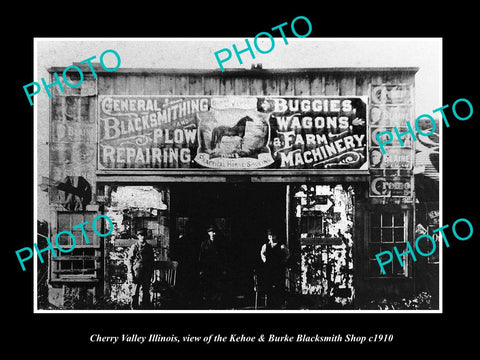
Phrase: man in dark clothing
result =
(184, 250)
(274, 256)
(140, 268)
(211, 266)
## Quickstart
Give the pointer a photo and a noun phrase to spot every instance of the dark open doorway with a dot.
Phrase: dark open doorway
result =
(242, 212)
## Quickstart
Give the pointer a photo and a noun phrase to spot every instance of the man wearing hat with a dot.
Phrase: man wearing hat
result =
(212, 270)
(274, 256)
(140, 267)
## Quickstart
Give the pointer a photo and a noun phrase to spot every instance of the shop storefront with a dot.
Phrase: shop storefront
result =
(294, 151)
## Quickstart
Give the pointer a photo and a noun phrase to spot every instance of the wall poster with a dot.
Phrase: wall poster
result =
(231, 132)
(392, 106)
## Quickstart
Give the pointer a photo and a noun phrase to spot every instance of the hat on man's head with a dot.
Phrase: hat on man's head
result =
(211, 228)
(270, 232)
(141, 232)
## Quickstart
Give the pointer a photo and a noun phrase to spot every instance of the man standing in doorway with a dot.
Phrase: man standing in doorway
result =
(212, 271)
(274, 255)
(140, 268)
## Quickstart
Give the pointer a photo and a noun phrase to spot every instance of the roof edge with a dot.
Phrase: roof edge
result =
(236, 71)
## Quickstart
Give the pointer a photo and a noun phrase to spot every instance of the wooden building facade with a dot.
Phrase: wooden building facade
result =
(333, 217)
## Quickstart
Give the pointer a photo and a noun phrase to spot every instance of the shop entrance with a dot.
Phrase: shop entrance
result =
(241, 213)
(319, 220)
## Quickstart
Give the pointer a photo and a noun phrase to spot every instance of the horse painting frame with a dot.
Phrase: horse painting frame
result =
(233, 134)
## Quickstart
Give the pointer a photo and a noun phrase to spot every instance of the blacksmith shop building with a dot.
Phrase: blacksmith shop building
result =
(174, 151)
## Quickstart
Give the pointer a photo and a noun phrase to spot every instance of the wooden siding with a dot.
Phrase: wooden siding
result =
(282, 83)
(286, 82)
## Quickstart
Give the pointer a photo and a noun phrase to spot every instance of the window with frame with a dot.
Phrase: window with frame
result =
(388, 230)
(83, 263)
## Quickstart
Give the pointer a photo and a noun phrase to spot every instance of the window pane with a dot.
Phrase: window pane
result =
(64, 239)
(88, 252)
(89, 217)
(397, 268)
(387, 220)
(77, 219)
(92, 238)
(387, 235)
(398, 219)
(387, 268)
(57, 109)
(399, 234)
(63, 222)
(78, 237)
(65, 265)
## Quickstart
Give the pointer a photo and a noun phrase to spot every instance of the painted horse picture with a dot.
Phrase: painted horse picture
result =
(237, 130)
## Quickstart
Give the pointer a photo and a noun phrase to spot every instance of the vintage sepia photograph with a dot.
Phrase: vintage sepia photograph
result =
(164, 183)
